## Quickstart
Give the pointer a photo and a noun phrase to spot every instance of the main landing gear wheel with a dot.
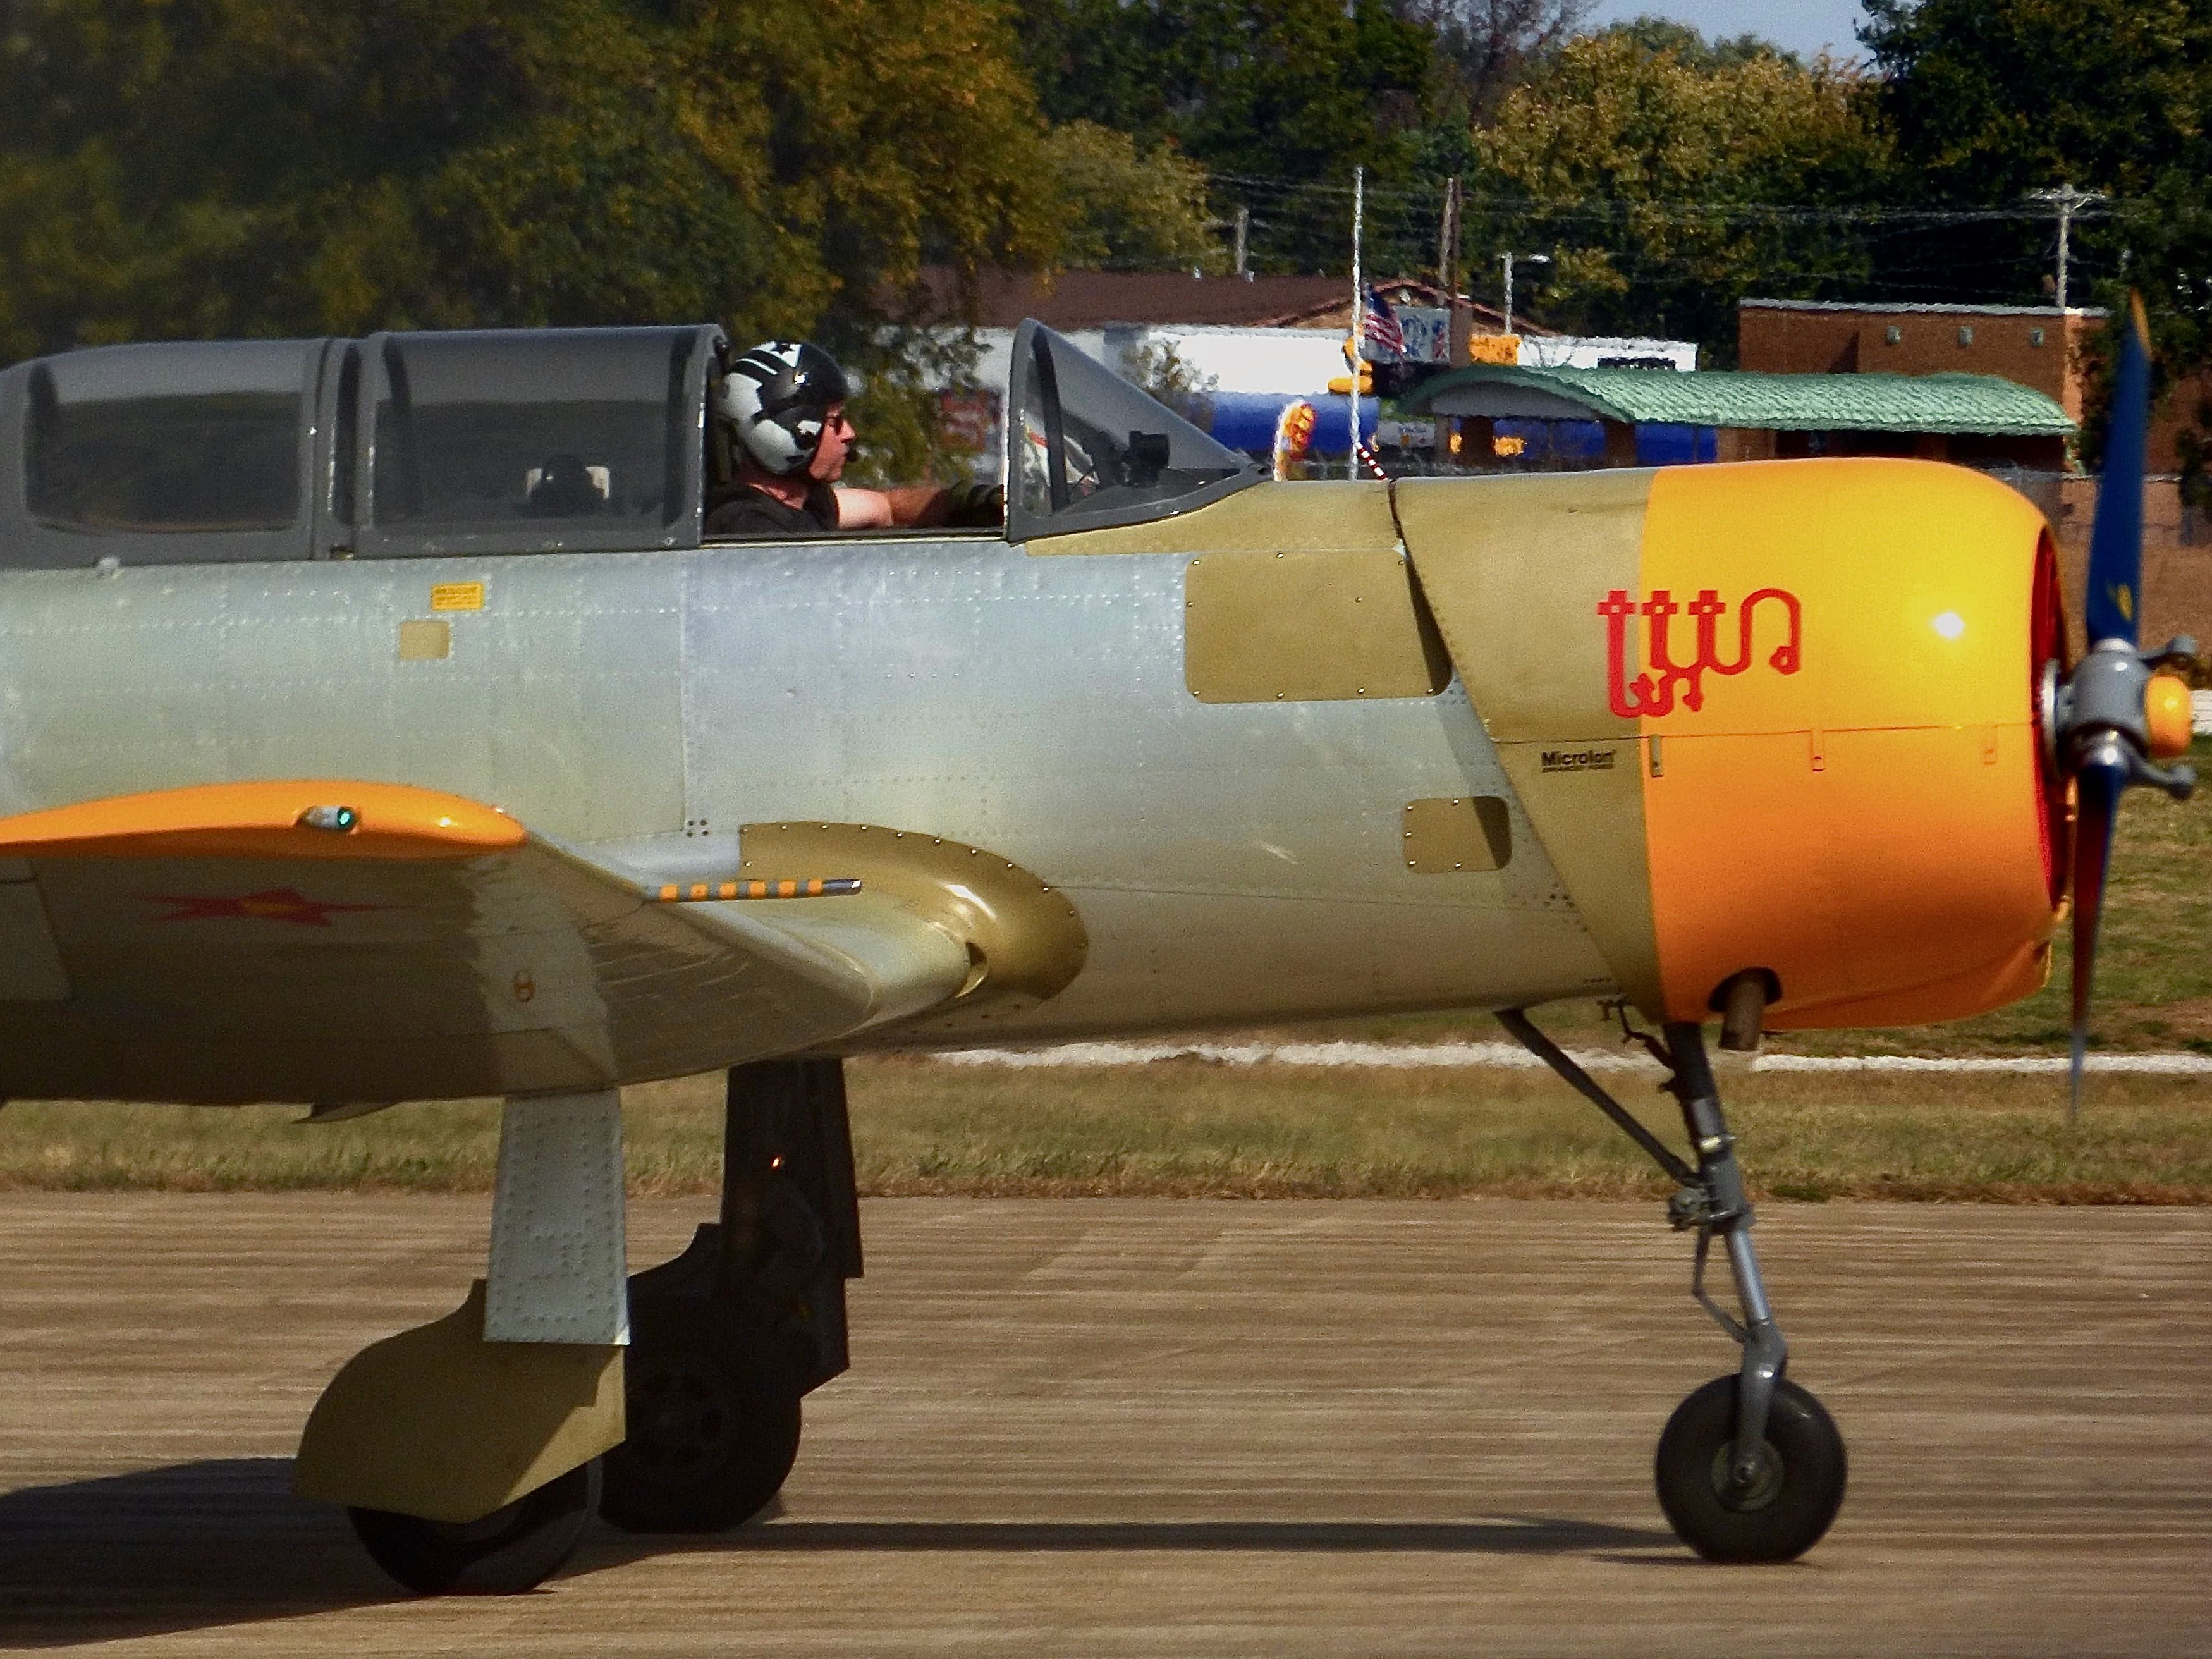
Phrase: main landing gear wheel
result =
(711, 1436)
(1793, 1487)
(1750, 1468)
(516, 1547)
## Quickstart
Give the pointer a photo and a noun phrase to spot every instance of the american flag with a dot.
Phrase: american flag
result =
(1382, 331)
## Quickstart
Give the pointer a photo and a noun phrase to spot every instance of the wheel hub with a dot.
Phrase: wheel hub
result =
(1751, 1484)
(681, 1421)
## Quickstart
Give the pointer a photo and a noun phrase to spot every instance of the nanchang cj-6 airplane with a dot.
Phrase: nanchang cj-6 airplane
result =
(377, 724)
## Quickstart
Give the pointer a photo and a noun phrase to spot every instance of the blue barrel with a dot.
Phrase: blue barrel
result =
(1246, 419)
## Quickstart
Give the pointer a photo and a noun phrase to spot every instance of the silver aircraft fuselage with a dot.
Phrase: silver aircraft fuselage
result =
(1230, 862)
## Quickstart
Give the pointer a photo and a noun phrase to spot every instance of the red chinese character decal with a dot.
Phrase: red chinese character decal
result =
(1653, 691)
(270, 904)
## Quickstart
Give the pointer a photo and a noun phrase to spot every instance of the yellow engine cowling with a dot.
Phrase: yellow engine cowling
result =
(1777, 717)
(1864, 807)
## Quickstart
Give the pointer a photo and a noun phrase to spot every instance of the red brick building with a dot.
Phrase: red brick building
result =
(2037, 346)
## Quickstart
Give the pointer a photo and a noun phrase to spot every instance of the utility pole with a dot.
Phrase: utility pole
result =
(1525, 259)
(1456, 319)
(1358, 317)
(1448, 236)
(2068, 201)
(1448, 276)
(1244, 238)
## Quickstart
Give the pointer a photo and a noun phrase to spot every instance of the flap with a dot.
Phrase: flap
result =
(332, 940)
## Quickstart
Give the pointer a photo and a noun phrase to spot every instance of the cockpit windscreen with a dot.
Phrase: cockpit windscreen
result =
(1085, 449)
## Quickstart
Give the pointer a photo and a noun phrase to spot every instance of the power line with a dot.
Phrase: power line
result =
(1426, 193)
(2068, 201)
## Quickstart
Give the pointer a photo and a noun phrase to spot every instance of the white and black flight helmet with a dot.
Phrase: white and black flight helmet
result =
(775, 401)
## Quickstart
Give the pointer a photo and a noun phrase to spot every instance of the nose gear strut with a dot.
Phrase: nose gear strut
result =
(1750, 1468)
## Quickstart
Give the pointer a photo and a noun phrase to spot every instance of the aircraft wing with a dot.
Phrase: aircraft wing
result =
(339, 941)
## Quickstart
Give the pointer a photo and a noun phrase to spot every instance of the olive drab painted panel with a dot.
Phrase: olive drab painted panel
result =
(1514, 570)
(1304, 627)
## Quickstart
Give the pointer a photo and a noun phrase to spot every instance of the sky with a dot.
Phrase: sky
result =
(1803, 25)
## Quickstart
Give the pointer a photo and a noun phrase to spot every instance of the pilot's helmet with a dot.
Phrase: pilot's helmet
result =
(776, 399)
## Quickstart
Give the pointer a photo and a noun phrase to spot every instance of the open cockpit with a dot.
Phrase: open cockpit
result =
(510, 441)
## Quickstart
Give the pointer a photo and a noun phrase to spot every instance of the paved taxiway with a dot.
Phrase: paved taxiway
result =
(1099, 1427)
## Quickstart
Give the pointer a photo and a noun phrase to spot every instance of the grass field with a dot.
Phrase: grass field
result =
(1185, 1126)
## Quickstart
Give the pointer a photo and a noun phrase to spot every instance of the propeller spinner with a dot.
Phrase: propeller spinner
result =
(2115, 716)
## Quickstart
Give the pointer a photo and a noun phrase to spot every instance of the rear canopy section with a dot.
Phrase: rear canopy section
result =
(399, 445)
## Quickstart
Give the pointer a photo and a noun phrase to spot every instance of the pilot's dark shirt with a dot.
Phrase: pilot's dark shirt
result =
(745, 511)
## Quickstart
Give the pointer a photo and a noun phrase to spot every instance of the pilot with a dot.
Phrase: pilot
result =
(782, 407)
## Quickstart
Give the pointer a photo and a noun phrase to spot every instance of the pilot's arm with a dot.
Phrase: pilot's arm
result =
(920, 506)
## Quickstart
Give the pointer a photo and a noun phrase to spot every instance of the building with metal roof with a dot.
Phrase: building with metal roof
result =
(2039, 346)
(1981, 418)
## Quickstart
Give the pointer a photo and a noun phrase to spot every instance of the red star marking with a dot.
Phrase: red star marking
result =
(270, 904)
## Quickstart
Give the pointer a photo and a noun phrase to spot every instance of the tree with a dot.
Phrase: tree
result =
(1667, 182)
(270, 167)
(1990, 99)
(1277, 100)
(1127, 207)
(1993, 98)
(1691, 47)
(1486, 48)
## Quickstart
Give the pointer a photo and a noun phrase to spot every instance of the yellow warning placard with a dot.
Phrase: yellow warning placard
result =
(457, 596)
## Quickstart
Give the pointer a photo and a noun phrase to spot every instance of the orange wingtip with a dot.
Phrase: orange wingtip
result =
(298, 818)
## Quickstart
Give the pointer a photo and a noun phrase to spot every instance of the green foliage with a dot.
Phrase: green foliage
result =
(1482, 49)
(1280, 87)
(1295, 91)
(1662, 180)
(273, 167)
(1688, 46)
(1130, 208)
(1166, 375)
(1990, 99)
(896, 406)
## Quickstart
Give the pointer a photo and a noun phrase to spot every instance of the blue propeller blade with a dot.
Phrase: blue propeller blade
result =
(2098, 787)
(2115, 601)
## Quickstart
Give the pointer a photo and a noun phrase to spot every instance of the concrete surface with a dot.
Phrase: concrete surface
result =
(1141, 1428)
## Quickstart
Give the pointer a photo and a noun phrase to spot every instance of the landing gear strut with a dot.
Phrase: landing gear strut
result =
(1750, 1467)
(727, 1338)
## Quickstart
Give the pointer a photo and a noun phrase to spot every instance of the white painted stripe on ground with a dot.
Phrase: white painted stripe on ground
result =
(2200, 711)
(1391, 1056)
(2140, 1065)
(1365, 1055)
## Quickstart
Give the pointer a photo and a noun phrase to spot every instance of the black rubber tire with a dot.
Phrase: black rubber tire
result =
(1789, 1514)
(514, 1549)
(712, 1432)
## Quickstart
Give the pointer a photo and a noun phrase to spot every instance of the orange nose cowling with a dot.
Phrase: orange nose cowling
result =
(1843, 785)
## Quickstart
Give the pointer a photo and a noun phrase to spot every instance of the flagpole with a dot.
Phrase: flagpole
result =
(1359, 317)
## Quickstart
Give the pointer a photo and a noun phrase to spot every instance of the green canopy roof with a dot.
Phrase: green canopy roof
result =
(1981, 404)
